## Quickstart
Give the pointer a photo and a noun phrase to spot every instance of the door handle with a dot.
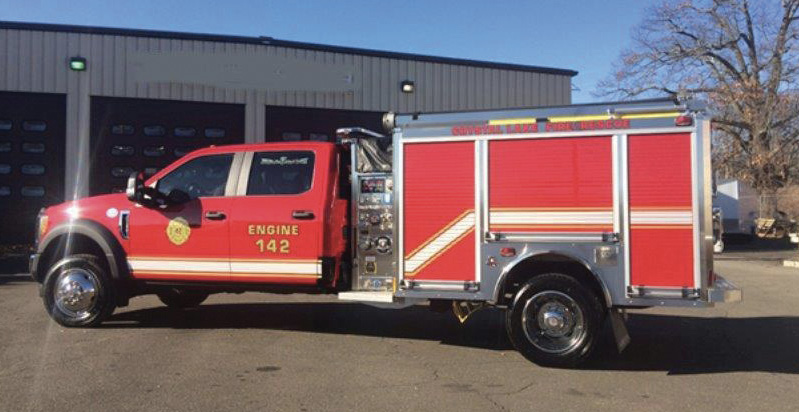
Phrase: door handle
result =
(215, 215)
(302, 214)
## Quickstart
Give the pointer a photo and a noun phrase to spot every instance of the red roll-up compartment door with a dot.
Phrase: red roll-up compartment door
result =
(438, 211)
(551, 185)
(661, 215)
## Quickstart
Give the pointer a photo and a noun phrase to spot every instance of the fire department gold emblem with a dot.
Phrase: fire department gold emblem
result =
(178, 231)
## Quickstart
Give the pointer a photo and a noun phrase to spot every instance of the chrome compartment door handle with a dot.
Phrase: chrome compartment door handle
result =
(302, 214)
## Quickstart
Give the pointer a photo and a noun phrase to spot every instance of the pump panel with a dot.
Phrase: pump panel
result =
(375, 260)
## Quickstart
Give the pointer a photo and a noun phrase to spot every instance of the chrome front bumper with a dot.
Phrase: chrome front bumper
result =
(723, 291)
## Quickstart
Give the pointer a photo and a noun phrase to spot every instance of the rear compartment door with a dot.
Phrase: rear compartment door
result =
(662, 229)
(439, 219)
(278, 217)
(551, 186)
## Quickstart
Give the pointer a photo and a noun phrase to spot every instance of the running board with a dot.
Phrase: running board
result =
(365, 296)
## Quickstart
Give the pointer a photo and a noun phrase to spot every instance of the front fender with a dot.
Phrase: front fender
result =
(112, 250)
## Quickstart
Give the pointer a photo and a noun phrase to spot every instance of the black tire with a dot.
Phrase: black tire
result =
(79, 291)
(574, 309)
(181, 298)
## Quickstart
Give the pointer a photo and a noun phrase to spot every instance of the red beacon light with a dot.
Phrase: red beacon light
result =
(507, 252)
(684, 120)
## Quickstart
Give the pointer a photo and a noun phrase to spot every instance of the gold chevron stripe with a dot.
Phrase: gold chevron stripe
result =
(437, 234)
(439, 253)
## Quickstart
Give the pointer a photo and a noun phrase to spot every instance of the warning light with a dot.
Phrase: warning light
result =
(684, 120)
(77, 64)
(507, 252)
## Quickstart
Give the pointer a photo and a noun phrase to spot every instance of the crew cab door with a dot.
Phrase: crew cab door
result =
(186, 242)
(278, 216)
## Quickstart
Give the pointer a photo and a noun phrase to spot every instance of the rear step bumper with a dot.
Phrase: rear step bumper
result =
(724, 291)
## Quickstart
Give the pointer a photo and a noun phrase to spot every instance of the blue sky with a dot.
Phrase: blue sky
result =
(585, 35)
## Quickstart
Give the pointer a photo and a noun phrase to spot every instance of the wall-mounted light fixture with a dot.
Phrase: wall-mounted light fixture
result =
(407, 86)
(77, 64)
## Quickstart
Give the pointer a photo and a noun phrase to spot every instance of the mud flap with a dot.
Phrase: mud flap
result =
(620, 334)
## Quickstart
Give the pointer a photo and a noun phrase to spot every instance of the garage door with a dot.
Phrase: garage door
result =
(145, 135)
(286, 124)
(32, 136)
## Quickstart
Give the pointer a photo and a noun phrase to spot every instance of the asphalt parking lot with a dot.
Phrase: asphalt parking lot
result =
(312, 353)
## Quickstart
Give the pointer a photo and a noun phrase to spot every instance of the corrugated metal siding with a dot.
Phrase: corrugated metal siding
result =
(36, 61)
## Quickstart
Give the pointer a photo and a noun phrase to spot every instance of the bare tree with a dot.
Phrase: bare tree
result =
(743, 58)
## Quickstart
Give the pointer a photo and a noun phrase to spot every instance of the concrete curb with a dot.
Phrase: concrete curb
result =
(791, 263)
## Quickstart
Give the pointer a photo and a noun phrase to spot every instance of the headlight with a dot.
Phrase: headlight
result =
(41, 225)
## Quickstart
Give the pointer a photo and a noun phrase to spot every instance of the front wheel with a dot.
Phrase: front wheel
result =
(554, 320)
(78, 291)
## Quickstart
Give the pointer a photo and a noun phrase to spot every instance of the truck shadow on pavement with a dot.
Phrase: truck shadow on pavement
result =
(18, 278)
(673, 344)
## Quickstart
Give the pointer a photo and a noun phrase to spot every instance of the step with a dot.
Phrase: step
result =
(366, 296)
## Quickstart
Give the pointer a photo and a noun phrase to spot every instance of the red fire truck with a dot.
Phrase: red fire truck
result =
(562, 216)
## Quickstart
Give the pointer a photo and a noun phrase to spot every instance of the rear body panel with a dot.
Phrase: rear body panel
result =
(625, 195)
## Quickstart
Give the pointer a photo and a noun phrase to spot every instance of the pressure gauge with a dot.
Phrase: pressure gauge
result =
(383, 244)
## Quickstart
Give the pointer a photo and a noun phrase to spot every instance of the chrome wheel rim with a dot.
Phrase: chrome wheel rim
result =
(553, 322)
(76, 293)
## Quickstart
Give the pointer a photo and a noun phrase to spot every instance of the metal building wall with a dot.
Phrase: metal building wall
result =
(36, 61)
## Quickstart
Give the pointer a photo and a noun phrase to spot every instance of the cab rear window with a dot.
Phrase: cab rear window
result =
(281, 173)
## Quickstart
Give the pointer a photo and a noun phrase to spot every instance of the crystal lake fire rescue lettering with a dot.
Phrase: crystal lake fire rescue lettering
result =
(500, 127)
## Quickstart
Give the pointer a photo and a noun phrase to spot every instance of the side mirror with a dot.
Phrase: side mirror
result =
(177, 197)
(135, 185)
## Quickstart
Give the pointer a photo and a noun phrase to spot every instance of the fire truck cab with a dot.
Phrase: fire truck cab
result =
(562, 216)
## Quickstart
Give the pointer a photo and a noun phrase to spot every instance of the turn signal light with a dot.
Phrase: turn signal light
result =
(507, 252)
(684, 120)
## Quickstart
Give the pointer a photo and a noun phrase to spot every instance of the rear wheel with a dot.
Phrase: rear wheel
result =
(181, 298)
(554, 320)
(79, 291)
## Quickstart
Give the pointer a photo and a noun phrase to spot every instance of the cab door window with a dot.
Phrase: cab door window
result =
(281, 173)
(201, 177)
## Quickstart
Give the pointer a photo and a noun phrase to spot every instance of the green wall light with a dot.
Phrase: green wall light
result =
(77, 64)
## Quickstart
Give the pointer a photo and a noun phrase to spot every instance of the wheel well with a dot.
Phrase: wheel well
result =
(68, 244)
(548, 263)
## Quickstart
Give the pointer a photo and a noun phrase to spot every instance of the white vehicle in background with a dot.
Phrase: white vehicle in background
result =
(736, 215)
(718, 230)
(739, 207)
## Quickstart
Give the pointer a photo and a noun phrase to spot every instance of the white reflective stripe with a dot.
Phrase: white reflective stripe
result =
(440, 242)
(661, 217)
(648, 217)
(304, 268)
(602, 217)
(255, 267)
(179, 265)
